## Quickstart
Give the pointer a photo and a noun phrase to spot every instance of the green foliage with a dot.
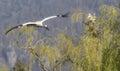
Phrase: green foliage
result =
(101, 52)
(97, 50)
(20, 66)
(77, 16)
(3, 68)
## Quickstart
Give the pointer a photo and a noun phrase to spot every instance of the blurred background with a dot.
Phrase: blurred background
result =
(15, 12)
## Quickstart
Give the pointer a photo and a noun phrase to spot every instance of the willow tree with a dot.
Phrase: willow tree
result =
(111, 23)
(101, 41)
(97, 50)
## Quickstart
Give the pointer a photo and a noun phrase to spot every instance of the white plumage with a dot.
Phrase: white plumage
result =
(91, 17)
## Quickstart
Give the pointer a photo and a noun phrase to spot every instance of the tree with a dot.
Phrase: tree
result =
(97, 50)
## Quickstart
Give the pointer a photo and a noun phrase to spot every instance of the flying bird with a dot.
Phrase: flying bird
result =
(38, 23)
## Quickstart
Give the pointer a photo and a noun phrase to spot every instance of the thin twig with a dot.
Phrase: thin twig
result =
(37, 55)
(62, 60)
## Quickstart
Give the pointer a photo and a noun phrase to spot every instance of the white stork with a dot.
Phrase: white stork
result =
(37, 23)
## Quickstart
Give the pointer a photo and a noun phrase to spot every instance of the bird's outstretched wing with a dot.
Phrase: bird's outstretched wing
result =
(28, 25)
(48, 18)
(55, 16)
(12, 29)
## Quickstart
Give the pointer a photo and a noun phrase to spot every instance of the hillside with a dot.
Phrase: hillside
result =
(14, 12)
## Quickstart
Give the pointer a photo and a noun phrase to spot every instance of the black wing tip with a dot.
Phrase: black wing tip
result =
(11, 29)
(64, 15)
(6, 32)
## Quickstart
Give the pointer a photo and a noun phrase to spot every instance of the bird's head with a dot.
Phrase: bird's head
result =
(46, 27)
